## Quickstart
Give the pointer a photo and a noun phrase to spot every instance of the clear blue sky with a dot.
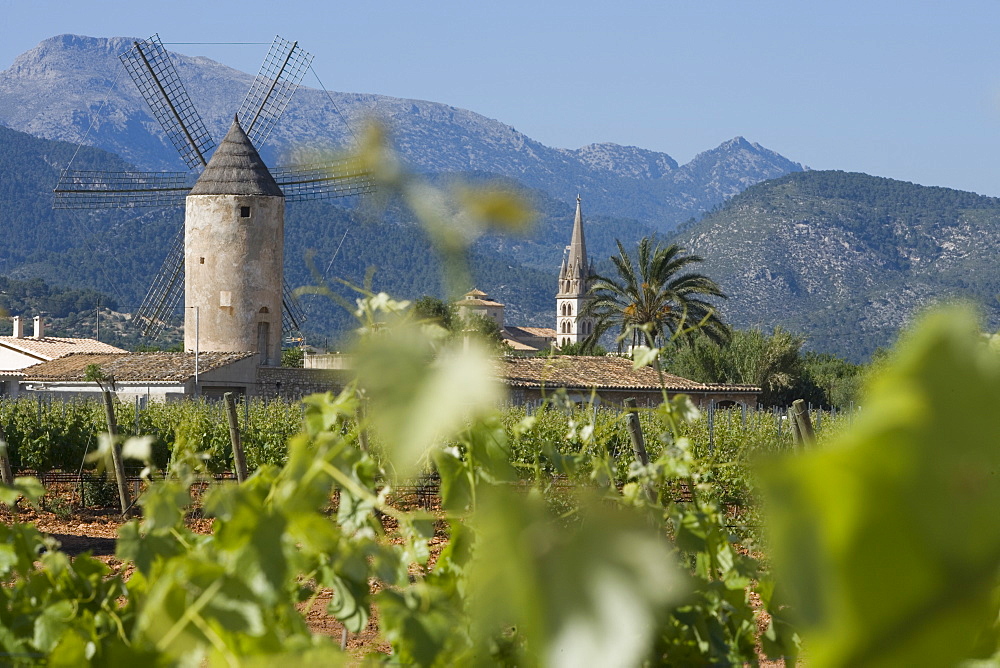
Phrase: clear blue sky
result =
(905, 90)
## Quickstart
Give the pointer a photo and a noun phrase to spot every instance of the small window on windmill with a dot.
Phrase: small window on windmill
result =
(244, 212)
(225, 298)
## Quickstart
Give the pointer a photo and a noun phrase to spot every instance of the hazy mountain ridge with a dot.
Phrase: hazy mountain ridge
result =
(62, 86)
(848, 259)
(725, 171)
(625, 160)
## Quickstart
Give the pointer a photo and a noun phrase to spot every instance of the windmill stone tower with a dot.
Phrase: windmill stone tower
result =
(574, 281)
(234, 228)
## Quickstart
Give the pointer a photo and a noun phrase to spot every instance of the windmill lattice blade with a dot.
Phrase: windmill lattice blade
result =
(335, 179)
(105, 190)
(292, 316)
(279, 76)
(165, 292)
(154, 75)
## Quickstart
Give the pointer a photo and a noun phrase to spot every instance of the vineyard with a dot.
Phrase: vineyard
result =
(45, 435)
(559, 548)
(567, 454)
(548, 541)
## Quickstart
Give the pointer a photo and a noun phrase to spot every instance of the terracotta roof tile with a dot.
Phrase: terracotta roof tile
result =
(51, 347)
(476, 302)
(132, 367)
(576, 372)
(517, 345)
(536, 332)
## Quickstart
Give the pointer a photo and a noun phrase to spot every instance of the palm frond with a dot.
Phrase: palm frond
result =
(655, 297)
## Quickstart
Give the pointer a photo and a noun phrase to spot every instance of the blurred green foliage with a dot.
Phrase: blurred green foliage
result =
(887, 539)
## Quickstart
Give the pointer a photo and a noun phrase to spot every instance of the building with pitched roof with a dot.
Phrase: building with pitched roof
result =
(477, 302)
(169, 376)
(19, 352)
(519, 340)
(157, 376)
(609, 380)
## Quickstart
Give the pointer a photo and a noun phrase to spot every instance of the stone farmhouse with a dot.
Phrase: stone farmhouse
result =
(520, 340)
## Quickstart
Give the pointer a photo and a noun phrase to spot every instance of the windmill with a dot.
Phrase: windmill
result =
(153, 73)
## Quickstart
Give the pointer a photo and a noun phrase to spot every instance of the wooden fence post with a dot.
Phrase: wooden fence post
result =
(793, 426)
(638, 443)
(239, 461)
(116, 453)
(635, 432)
(803, 422)
(5, 471)
(710, 411)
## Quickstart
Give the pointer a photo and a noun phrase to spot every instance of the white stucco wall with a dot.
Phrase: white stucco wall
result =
(12, 360)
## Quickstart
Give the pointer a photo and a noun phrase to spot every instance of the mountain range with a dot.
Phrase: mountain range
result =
(848, 259)
(74, 88)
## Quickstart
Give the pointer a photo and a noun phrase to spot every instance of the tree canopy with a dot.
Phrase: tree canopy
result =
(654, 297)
(773, 362)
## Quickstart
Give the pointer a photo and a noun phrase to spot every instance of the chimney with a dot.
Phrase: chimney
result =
(18, 327)
(39, 327)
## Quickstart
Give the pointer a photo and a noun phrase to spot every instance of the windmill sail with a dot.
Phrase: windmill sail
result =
(165, 292)
(338, 178)
(154, 75)
(272, 88)
(292, 316)
(106, 190)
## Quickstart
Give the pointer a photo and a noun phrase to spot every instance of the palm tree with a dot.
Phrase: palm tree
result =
(652, 300)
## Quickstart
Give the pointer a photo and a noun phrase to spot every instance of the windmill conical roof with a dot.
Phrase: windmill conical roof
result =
(236, 169)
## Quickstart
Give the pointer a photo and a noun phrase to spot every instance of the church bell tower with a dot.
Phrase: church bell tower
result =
(574, 281)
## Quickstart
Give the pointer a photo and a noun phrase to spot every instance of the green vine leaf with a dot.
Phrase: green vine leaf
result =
(889, 538)
(583, 592)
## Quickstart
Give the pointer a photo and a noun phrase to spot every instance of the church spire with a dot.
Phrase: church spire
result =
(577, 260)
(575, 266)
